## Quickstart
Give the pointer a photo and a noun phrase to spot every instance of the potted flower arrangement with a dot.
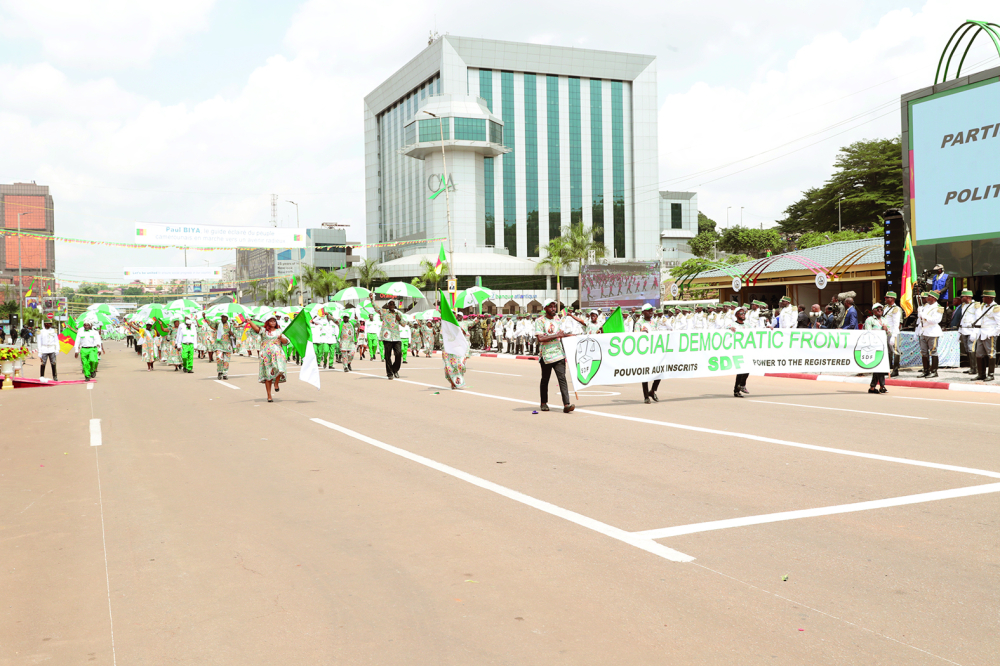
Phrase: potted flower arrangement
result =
(9, 356)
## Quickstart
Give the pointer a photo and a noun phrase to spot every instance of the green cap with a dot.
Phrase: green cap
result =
(784, 299)
(647, 306)
(932, 294)
(891, 294)
(991, 293)
(967, 292)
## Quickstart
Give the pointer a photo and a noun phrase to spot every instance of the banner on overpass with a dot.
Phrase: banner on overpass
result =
(173, 273)
(199, 235)
(626, 358)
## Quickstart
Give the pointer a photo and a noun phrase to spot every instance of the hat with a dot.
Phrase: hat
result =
(784, 298)
(877, 306)
(966, 292)
(932, 294)
(647, 306)
(551, 301)
(891, 294)
(991, 293)
(938, 267)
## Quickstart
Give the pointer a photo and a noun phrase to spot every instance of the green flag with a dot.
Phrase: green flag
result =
(161, 327)
(615, 323)
(299, 334)
(452, 335)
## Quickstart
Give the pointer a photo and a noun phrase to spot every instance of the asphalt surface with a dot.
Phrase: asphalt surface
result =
(403, 523)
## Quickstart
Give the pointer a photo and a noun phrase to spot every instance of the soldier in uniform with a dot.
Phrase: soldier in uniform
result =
(789, 314)
(487, 327)
(893, 318)
(967, 313)
(989, 327)
(929, 331)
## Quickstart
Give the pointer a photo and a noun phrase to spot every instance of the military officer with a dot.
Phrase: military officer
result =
(967, 314)
(929, 331)
(989, 328)
(893, 318)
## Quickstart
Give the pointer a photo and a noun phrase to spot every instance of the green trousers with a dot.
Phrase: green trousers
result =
(187, 356)
(322, 350)
(372, 341)
(89, 358)
(406, 345)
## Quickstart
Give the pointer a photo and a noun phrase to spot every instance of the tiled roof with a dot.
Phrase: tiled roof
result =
(828, 255)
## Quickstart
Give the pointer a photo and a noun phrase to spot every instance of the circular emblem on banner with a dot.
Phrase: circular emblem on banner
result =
(868, 351)
(737, 284)
(674, 290)
(588, 360)
(821, 280)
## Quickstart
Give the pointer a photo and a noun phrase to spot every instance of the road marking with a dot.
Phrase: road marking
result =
(95, 432)
(598, 394)
(104, 542)
(647, 545)
(486, 372)
(90, 386)
(727, 433)
(838, 409)
(665, 532)
(232, 386)
(963, 402)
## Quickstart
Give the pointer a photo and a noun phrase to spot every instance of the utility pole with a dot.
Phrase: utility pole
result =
(727, 216)
(741, 216)
(839, 228)
(298, 255)
(447, 208)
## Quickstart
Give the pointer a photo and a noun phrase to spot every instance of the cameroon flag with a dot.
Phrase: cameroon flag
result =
(67, 338)
(439, 264)
(908, 278)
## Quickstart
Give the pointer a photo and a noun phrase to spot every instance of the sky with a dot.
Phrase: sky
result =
(199, 110)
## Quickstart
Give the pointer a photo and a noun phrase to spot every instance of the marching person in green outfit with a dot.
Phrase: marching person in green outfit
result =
(88, 349)
(348, 342)
(404, 337)
(187, 337)
(373, 331)
(222, 343)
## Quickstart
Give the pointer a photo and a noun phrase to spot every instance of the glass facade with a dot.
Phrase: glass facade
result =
(552, 127)
(430, 130)
(486, 92)
(496, 132)
(618, 166)
(509, 161)
(597, 158)
(531, 160)
(575, 155)
(676, 211)
(470, 129)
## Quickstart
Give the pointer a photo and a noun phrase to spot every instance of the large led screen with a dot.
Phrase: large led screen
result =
(954, 157)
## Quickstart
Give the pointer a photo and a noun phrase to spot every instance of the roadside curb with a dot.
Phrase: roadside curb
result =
(911, 383)
(526, 358)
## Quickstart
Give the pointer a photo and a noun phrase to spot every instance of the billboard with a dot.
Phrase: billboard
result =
(626, 284)
(173, 273)
(954, 163)
(200, 235)
(254, 264)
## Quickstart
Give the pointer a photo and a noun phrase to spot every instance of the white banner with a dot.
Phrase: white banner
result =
(174, 273)
(199, 235)
(625, 358)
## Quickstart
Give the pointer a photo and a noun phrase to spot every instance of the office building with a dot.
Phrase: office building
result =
(34, 254)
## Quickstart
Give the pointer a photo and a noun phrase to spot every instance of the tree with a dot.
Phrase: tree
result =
(429, 275)
(705, 223)
(67, 292)
(579, 245)
(322, 283)
(132, 291)
(867, 175)
(703, 245)
(755, 242)
(699, 265)
(255, 288)
(369, 271)
(815, 238)
(87, 288)
(556, 259)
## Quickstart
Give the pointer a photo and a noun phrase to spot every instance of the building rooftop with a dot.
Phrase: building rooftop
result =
(828, 255)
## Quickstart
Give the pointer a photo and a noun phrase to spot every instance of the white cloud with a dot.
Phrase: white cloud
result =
(113, 34)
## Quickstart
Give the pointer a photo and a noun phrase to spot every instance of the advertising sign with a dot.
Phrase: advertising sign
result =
(200, 235)
(626, 358)
(954, 159)
(628, 285)
(173, 273)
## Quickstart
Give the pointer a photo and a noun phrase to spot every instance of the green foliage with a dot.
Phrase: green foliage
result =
(700, 265)
(703, 245)
(87, 288)
(705, 223)
(321, 283)
(755, 242)
(132, 291)
(815, 238)
(869, 177)
(67, 292)
(8, 308)
(368, 272)
(429, 277)
(579, 245)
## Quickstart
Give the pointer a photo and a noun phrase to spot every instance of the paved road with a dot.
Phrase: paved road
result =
(401, 523)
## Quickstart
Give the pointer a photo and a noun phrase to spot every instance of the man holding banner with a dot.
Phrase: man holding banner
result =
(551, 357)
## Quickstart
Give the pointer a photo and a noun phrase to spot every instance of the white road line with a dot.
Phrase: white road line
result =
(665, 532)
(839, 409)
(232, 386)
(486, 372)
(961, 402)
(104, 542)
(95, 432)
(647, 545)
(90, 386)
(738, 435)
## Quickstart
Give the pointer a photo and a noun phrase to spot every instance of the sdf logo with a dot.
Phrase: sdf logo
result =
(868, 351)
(588, 360)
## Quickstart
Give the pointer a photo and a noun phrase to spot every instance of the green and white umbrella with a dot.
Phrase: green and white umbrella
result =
(150, 309)
(402, 289)
(228, 309)
(427, 315)
(263, 314)
(104, 308)
(352, 294)
(333, 307)
(96, 319)
(184, 304)
(314, 310)
(472, 297)
(288, 310)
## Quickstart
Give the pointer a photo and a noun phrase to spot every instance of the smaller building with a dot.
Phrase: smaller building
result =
(32, 206)
(678, 225)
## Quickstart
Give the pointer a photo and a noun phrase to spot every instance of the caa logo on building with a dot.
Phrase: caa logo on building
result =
(868, 351)
(588, 360)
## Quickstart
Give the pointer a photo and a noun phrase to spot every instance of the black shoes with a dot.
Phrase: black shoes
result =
(396, 375)
(568, 408)
(743, 389)
(737, 394)
(654, 397)
(543, 408)
(648, 401)
(872, 389)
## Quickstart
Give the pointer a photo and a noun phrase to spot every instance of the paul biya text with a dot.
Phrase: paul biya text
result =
(662, 343)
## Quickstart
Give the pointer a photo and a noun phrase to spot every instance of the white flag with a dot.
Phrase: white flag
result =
(310, 368)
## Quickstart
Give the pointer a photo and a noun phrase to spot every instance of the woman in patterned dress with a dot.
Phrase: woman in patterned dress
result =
(348, 342)
(149, 347)
(454, 365)
(172, 355)
(272, 356)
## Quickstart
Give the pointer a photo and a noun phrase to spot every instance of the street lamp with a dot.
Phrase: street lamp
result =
(838, 214)
(298, 255)
(741, 216)
(727, 216)
(20, 279)
(447, 206)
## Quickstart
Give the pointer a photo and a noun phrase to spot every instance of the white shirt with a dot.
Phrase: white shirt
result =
(970, 312)
(788, 317)
(373, 327)
(187, 334)
(404, 332)
(48, 341)
(929, 320)
(86, 339)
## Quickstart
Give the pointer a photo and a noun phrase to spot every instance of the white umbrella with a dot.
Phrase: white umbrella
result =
(352, 294)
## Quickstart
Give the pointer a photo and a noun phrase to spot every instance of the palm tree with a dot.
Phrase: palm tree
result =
(429, 275)
(312, 277)
(556, 259)
(581, 247)
(255, 288)
(368, 272)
